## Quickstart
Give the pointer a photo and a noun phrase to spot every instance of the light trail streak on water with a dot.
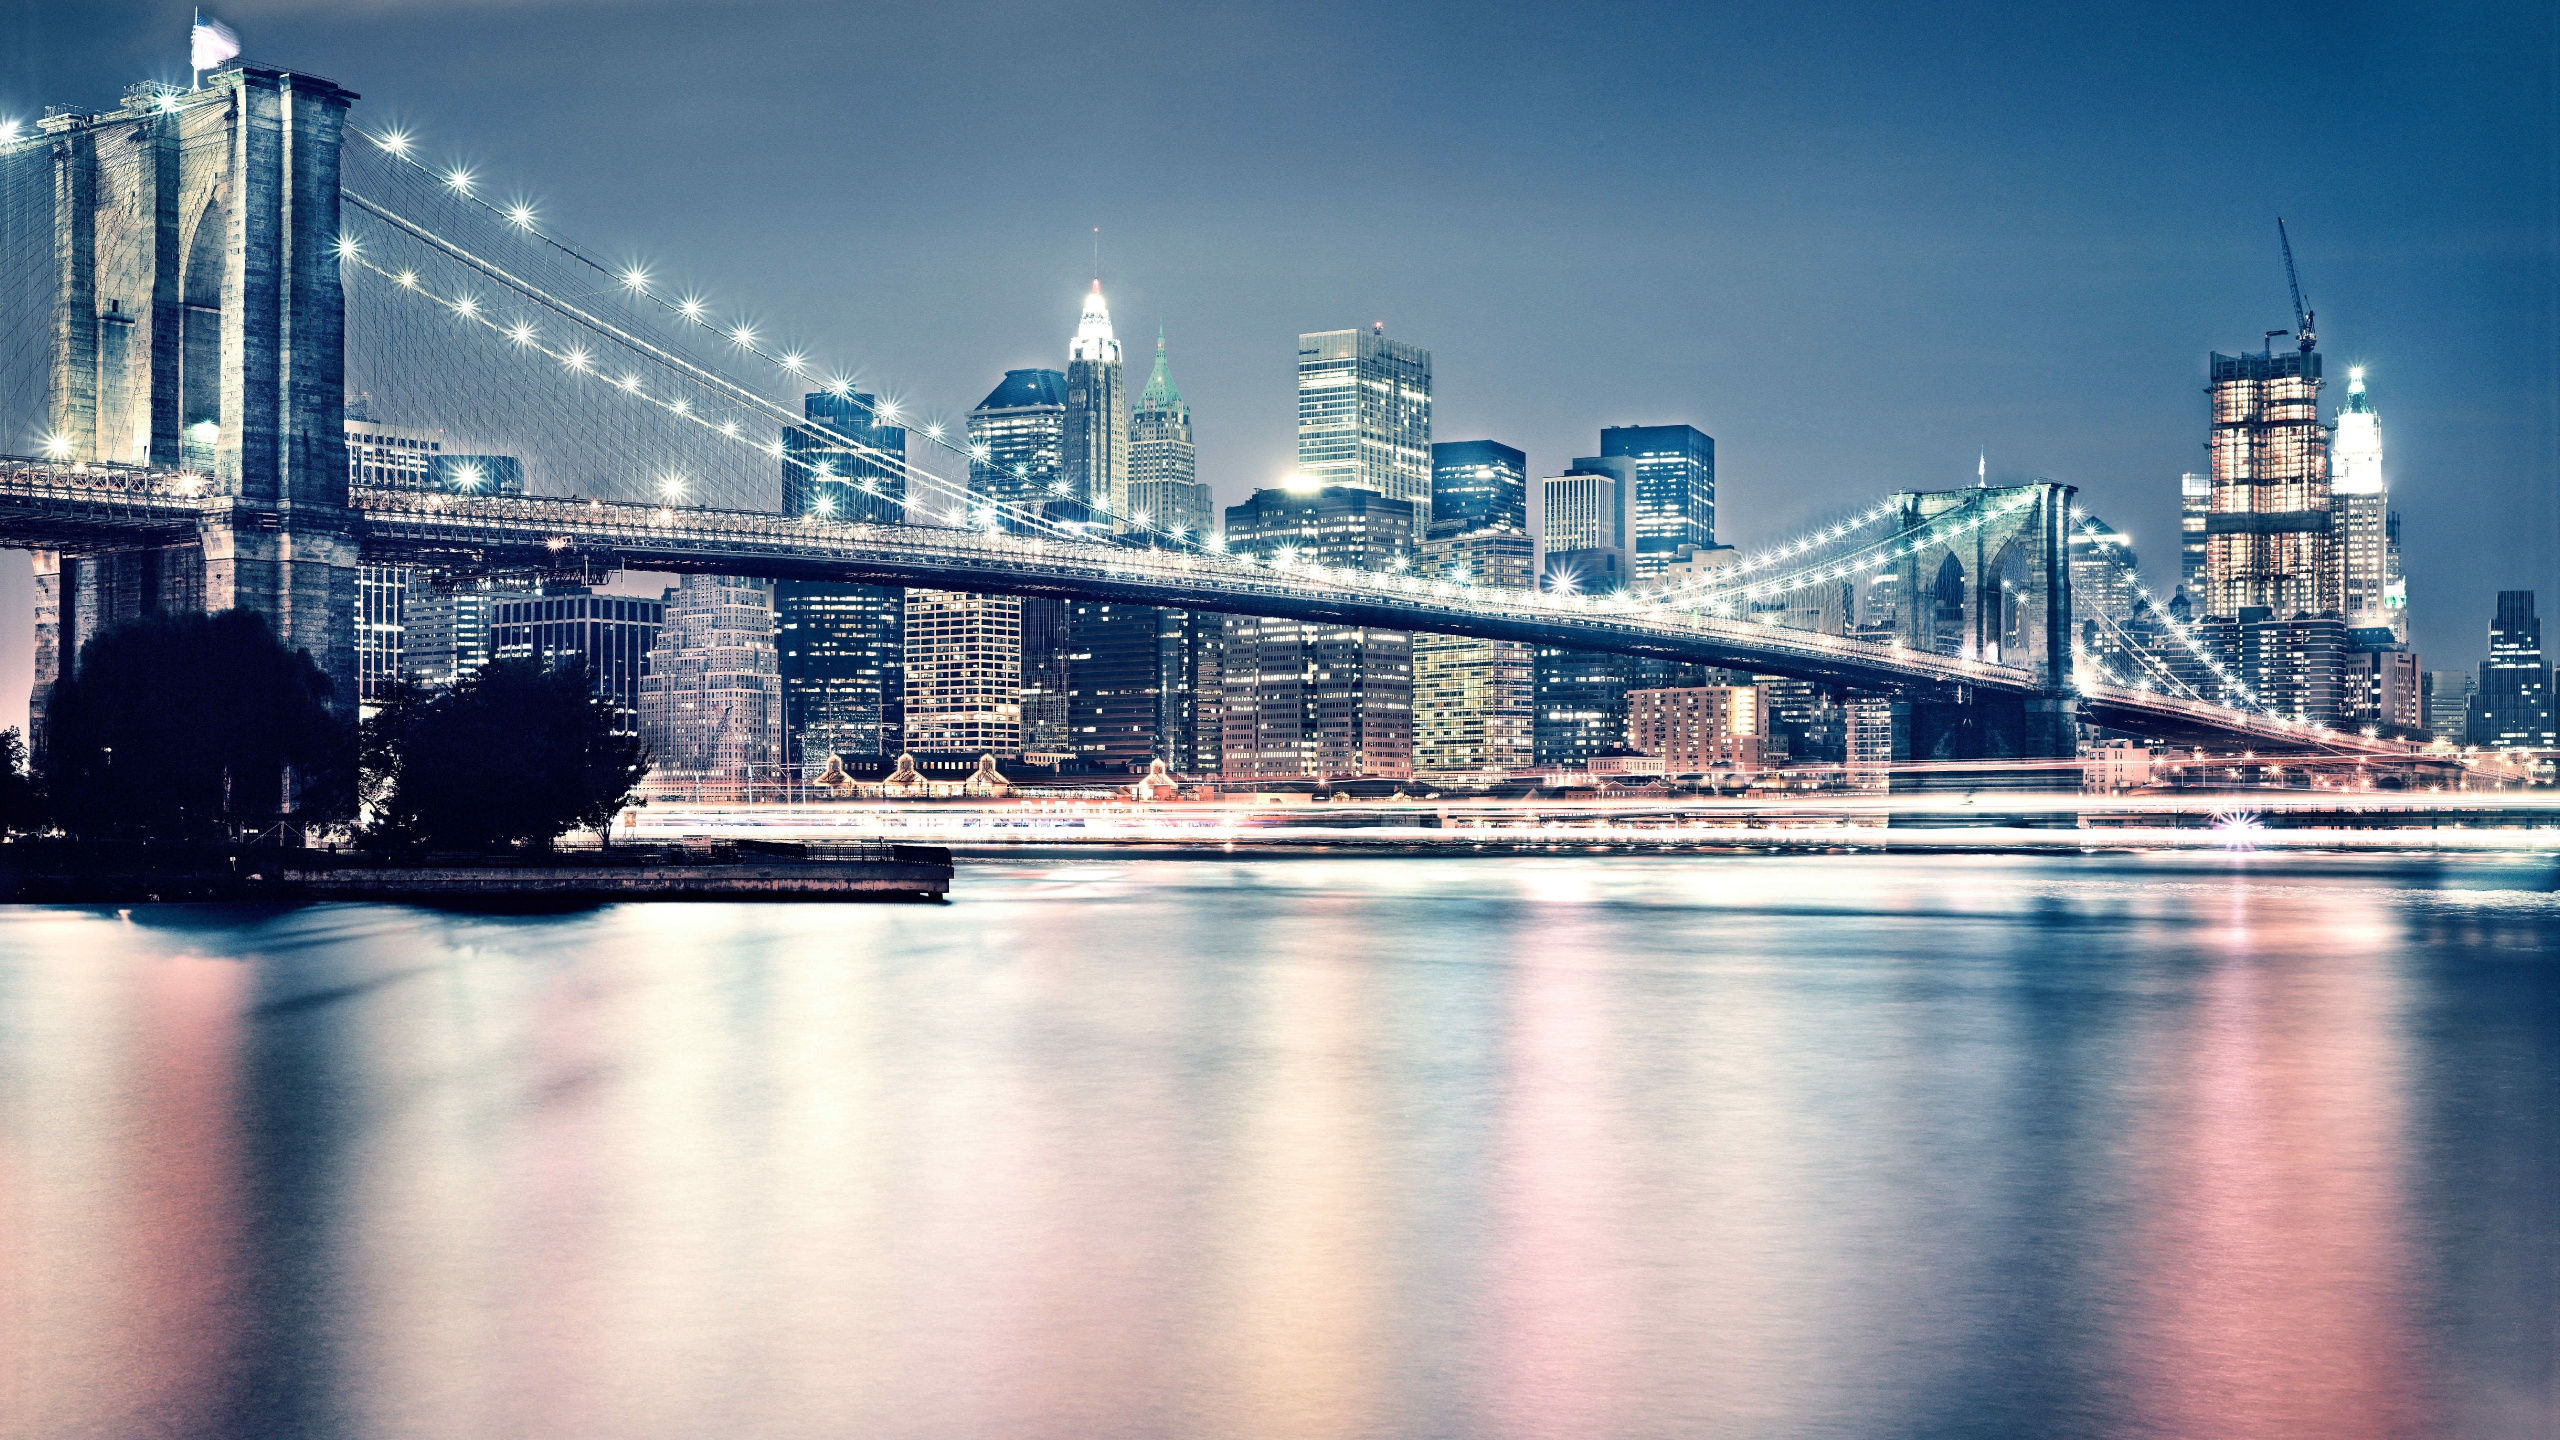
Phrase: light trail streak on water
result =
(1643, 1146)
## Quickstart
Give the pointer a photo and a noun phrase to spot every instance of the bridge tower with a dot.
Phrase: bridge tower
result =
(200, 323)
(2000, 592)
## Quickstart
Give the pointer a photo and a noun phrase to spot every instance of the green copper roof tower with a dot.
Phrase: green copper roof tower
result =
(1164, 490)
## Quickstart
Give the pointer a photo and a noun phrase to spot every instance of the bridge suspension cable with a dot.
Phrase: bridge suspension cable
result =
(583, 363)
(2103, 542)
(634, 280)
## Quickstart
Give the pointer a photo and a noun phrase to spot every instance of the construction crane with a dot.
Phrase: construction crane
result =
(2301, 315)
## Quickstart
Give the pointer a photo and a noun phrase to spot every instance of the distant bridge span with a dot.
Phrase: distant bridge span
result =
(96, 510)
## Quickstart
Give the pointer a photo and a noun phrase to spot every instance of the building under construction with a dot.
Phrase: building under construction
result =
(2270, 543)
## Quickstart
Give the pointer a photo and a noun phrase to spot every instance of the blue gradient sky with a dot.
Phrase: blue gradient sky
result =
(1852, 242)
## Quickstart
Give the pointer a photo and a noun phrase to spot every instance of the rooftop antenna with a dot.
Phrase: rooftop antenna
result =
(1982, 469)
(1097, 254)
(2301, 312)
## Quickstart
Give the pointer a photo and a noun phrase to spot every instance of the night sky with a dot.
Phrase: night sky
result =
(1853, 243)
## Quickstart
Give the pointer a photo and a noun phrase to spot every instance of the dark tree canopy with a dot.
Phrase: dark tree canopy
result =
(183, 726)
(515, 754)
(17, 788)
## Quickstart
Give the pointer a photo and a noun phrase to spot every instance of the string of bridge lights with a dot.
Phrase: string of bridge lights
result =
(1741, 583)
(2107, 543)
(580, 361)
(694, 311)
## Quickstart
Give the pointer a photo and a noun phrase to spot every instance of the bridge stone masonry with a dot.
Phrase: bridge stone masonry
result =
(197, 460)
(199, 322)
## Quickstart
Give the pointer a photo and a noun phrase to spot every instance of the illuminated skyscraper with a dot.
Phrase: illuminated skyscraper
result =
(842, 647)
(1584, 510)
(1672, 501)
(611, 634)
(970, 664)
(385, 457)
(1364, 416)
(964, 673)
(2511, 709)
(1164, 483)
(2371, 590)
(2269, 541)
(1475, 701)
(1478, 485)
(2195, 507)
(2103, 574)
(1094, 455)
(845, 464)
(1017, 437)
(1309, 699)
(711, 699)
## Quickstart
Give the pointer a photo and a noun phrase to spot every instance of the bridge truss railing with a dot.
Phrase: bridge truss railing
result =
(1419, 603)
(93, 503)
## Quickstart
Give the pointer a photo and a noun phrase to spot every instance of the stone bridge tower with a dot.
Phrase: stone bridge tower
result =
(1999, 592)
(200, 324)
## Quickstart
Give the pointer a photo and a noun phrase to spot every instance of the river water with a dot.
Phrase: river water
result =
(1573, 1146)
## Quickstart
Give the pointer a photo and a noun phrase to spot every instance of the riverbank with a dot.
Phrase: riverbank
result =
(93, 874)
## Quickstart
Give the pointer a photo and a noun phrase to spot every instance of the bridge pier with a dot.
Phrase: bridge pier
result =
(210, 335)
(1979, 747)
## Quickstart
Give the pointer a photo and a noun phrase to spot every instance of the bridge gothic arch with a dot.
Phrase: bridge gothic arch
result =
(1993, 580)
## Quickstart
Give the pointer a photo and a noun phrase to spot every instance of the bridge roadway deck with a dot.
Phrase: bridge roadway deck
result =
(45, 506)
(415, 528)
(410, 527)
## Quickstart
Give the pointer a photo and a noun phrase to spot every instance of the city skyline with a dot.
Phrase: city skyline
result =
(2442, 301)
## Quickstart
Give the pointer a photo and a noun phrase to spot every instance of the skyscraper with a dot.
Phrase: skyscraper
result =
(448, 630)
(1584, 511)
(1673, 499)
(711, 700)
(611, 634)
(1115, 683)
(1017, 439)
(1478, 485)
(2195, 509)
(2512, 708)
(1095, 441)
(841, 648)
(1364, 416)
(2370, 590)
(1475, 701)
(1581, 701)
(1164, 488)
(844, 464)
(1191, 647)
(2447, 701)
(2269, 542)
(964, 673)
(971, 666)
(385, 457)
(1310, 699)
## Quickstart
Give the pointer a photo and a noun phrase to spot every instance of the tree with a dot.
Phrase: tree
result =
(17, 788)
(515, 754)
(193, 727)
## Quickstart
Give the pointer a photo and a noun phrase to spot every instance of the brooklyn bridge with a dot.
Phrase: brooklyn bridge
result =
(216, 270)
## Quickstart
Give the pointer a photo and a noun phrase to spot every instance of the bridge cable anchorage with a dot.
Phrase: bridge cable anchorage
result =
(633, 279)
